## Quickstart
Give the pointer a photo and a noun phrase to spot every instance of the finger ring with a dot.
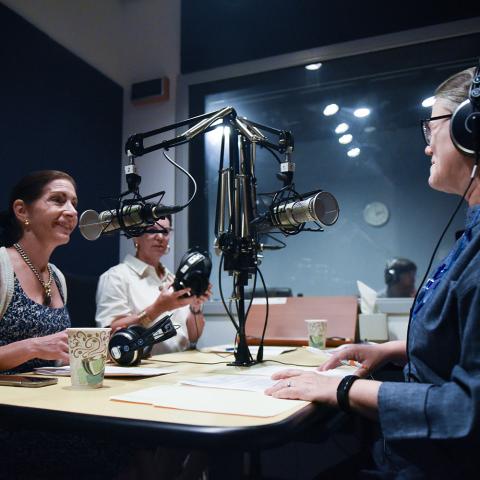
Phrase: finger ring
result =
(289, 384)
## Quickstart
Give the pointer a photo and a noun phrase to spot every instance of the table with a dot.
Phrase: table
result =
(60, 408)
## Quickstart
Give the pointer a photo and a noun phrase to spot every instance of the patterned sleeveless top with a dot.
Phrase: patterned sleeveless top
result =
(25, 318)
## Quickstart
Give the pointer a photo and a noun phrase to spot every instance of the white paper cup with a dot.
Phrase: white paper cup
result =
(317, 333)
(88, 349)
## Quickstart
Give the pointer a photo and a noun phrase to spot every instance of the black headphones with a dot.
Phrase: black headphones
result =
(193, 272)
(465, 123)
(396, 267)
(128, 346)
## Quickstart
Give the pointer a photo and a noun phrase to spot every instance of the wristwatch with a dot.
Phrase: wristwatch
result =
(342, 392)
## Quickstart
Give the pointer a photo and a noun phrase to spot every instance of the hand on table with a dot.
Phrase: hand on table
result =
(300, 385)
(370, 356)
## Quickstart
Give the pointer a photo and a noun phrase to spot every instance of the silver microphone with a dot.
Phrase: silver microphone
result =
(288, 215)
(321, 207)
(92, 224)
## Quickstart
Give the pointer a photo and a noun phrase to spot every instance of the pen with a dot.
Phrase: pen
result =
(353, 363)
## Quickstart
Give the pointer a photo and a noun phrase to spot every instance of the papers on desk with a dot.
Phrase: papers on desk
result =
(257, 379)
(232, 402)
(251, 383)
(110, 371)
(267, 351)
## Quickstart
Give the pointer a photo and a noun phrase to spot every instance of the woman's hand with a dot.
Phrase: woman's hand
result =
(300, 385)
(169, 300)
(371, 357)
(51, 347)
(198, 301)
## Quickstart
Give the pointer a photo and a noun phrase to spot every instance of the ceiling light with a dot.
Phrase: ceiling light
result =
(313, 66)
(362, 112)
(342, 128)
(344, 139)
(428, 102)
(353, 152)
(331, 109)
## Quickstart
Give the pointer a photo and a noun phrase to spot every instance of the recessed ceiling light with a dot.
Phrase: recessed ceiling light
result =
(342, 128)
(344, 139)
(313, 66)
(331, 109)
(369, 129)
(362, 112)
(353, 152)
(428, 102)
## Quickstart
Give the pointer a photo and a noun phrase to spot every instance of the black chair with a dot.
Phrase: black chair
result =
(81, 302)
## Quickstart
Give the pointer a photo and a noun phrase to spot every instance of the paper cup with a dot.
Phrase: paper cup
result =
(317, 333)
(88, 349)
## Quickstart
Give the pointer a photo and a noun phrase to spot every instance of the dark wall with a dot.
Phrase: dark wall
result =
(58, 112)
(222, 32)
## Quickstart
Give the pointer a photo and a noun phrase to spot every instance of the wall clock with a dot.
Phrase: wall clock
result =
(376, 214)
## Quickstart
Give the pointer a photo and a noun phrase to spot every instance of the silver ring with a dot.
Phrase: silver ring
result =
(289, 384)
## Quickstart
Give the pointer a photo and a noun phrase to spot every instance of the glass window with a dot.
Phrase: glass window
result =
(372, 161)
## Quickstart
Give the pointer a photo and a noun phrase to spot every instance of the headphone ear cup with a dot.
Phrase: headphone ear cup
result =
(119, 347)
(464, 126)
(143, 352)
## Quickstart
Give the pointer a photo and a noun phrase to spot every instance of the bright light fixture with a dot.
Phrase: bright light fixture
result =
(331, 109)
(428, 102)
(344, 139)
(342, 128)
(313, 66)
(353, 152)
(362, 112)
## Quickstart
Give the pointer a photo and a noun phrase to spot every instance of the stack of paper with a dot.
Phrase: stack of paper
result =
(110, 371)
(222, 401)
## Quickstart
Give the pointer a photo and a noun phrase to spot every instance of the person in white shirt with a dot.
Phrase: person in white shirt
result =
(138, 292)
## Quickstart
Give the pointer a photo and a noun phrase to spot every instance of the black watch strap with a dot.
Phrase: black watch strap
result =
(342, 392)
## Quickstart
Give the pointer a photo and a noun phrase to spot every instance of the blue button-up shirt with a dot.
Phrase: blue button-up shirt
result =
(432, 423)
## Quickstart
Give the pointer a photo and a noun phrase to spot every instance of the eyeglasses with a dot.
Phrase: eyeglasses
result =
(426, 131)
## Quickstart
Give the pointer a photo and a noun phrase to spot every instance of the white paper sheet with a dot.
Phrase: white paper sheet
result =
(368, 297)
(267, 351)
(252, 383)
(232, 402)
(110, 371)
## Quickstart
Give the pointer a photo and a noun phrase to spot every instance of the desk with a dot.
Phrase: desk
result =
(286, 321)
(59, 408)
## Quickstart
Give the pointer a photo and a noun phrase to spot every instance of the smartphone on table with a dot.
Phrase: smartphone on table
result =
(26, 381)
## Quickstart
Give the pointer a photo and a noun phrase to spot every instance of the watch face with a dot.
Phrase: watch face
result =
(376, 214)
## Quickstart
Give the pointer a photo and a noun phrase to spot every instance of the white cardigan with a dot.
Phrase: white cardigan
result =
(7, 281)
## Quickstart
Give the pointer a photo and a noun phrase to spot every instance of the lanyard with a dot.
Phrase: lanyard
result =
(432, 283)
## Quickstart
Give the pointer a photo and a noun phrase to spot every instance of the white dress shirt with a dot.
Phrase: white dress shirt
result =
(130, 287)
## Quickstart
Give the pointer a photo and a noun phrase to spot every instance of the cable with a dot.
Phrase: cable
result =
(460, 203)
(235, 324)
(260, 347)
(188, 175)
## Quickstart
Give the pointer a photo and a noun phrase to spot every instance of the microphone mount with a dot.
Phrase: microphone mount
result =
(236, 232)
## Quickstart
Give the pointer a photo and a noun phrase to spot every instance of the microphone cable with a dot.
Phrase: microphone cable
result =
(432, 258)
(189, 175)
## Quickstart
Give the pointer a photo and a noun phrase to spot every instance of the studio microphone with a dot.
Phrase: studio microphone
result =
(291, 214)
(129, 218)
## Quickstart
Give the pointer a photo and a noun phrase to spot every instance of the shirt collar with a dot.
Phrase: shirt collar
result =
(137, 265)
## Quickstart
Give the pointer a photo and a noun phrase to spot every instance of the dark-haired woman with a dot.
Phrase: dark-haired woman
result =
(41, 216)
(33, 317)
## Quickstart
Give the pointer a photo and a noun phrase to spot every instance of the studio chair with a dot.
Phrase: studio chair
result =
(81, 302)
